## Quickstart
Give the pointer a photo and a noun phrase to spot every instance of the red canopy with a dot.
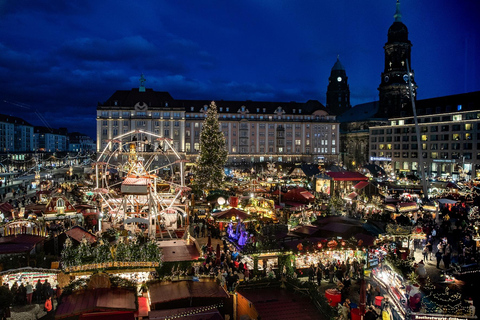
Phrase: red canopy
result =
(298, 195)
(361, 185)
(230, 213)
(347, 176)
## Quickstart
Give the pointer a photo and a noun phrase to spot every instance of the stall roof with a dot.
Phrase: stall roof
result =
(104, 299)
(178, 250)
(274, 303)
(193, 313)
(6, 208)
(166, 292)
(77, 233)
(347, 176)
(230, 213)
(305, 230)
(361, 185)
(19, 244)
(352, 195)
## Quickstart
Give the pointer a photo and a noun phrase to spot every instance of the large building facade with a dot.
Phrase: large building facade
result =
(449, 138)
(254, 131)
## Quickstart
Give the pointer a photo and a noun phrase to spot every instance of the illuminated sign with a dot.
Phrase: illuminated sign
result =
(443, 160)
(380, 159)
(436, 317)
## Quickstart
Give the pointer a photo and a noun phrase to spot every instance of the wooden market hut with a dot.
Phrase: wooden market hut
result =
(342, 180)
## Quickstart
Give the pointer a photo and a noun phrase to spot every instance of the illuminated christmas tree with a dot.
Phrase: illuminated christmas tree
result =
(209, 171)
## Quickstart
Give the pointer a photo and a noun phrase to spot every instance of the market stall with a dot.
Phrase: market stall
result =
(305, 260)
(393, 285)
(29, 275)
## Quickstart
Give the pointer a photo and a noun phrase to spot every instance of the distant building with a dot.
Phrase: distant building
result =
(49, 140)
(79, 142)
(268, 131)
(449, 134)
(254, 131)
(16, 135)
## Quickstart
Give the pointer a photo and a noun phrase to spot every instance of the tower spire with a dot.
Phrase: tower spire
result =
(398, 14)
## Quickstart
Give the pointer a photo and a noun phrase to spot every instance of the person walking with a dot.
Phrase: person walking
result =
(425, 253)
(319, 275)
(29, 289)
(430, 249)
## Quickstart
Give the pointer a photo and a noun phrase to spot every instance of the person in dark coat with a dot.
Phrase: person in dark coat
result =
(370, 314)
(319, 275)
(438, 255)
(311, 273)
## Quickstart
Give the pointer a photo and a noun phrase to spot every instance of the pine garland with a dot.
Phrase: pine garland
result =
(123, 251)
(209, 171)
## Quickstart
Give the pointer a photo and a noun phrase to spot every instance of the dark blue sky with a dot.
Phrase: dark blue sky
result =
(62, 57)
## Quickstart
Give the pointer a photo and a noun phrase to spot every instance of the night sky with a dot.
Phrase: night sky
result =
(60, 58)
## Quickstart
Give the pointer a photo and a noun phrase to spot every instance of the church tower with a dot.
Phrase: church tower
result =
(338, 92)
(394, 92)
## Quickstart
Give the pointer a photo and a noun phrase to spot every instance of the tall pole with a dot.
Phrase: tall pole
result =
(417, 130)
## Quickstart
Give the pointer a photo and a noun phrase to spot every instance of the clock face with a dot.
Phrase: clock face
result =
(405, 77)
(386, 78)
(339, 79)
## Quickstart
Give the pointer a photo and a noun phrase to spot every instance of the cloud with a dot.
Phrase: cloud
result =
(97, 49)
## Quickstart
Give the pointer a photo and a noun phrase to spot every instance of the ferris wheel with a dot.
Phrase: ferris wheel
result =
(141, 179)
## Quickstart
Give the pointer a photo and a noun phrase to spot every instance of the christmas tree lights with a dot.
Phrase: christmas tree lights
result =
(209, 171)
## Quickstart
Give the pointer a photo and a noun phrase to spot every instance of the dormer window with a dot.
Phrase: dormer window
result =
(60, 206)
(221, 108)
(228, 109)
(258, 109)
(191, 108)
(243, 108)
(264, 110)
(299, 110)
(293, 110)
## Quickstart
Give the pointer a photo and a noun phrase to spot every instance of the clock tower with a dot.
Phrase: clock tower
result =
(394, 90)
(338, 91)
